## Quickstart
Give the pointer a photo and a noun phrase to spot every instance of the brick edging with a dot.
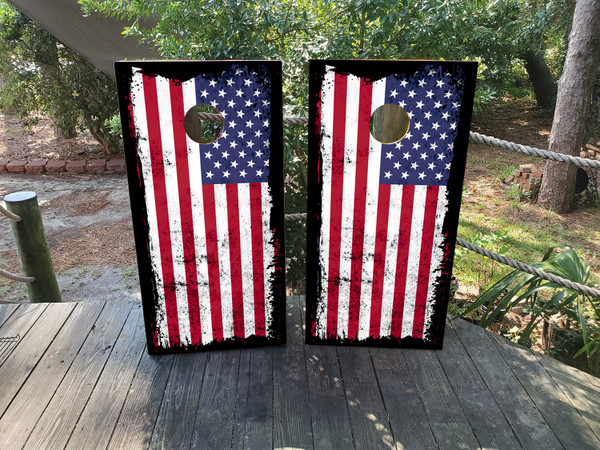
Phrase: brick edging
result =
(57, 166)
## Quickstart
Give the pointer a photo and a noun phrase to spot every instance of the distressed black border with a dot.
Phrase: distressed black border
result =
(375, 70)
(182, 71)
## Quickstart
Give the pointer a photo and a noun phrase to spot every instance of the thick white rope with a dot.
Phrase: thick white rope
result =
(14, 277)
(12, 216)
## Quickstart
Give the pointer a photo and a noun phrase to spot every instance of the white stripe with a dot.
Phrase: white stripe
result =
(268, 257)
(437, 256)
(327, 97)
(222, 223)
(170, 167)
(246, 257)
(391, 258)
(351, 136)
(414, 254)
(195, 169)
(378, 99)
(141, 130)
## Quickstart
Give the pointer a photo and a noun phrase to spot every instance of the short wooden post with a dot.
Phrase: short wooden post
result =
(33, 248)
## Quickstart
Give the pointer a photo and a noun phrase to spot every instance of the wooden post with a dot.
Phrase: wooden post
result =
(33, 248)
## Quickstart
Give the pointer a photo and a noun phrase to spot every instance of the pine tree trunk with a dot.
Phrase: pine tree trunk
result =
(572, 106)
(541, 78)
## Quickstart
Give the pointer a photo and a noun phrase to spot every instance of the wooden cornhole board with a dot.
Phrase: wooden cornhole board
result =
(387, 151)
(207, 200)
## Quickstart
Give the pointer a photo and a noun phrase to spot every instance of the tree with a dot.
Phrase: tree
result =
(574, 97)
(43, 76)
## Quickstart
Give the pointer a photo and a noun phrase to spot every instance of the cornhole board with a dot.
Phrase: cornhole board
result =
(383, 213)
(207, 213)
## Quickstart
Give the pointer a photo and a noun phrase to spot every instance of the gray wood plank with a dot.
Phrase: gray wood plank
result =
(6, 310)
(60, 417)
(444, 412)
(527, 422)
(173, 428)
(35, 394)
(254, 414)
(291, 409)
(328, 406)
(24, 358)
(575, 385)
(18, 324)
(565, 421)
(136, 422)
(408, 421)
(485, 416)
(98, 419)
(215, 415)
(368, 417)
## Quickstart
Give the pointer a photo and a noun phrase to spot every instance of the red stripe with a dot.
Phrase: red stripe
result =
(212, 260)
(383, 210)
(235, 260)
(406, 211)
(425, 260)
(257, 258)
(162, 213)
(185, 208)
(337, 184)
(360, 201)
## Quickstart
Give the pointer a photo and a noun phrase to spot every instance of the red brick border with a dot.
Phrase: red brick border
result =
(39, 166)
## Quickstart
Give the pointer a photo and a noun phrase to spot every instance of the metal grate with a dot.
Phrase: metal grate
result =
(6, 346)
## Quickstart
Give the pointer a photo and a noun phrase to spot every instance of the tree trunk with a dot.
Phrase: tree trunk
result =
(572, 106)
(541, 78)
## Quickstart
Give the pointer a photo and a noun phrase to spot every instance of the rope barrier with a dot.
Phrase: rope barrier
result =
(532, 151)
(13, 277)
(587, 290)
(5, 212)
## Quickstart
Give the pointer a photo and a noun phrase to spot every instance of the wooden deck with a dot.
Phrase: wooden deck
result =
(80, 378)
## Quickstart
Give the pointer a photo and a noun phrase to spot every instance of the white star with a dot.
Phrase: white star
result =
(438, 104)
(396, 165)
(420, 104)
(257, 113)
(451, 146)
(431, 166)
(209, 175)
(247, 82)
(233, 144)
(408, 135)
(399, 144)
(259, 173)
(402, 104)
(416, 146)
(435, 126)
(232, 124)
(240, 113)
(438, 176)
(214, 104)
(224, 134)
(243, 173)
(423, 156)
(411, 94)
(448, 94)
(249, 124)
(221, 93)
(259, 154)
(266, 123)
(250, 163)
(266, 102)
(257, 133)
(250, 144)
(453, 126)
(388, 174)
(432, 72)
(410, 114)
(406, 155)
(389, 155)
(239, 71)
(403, 83)
(242, 154)
(230, 82)
(208, 154)
(414, 166)
(425, 136)
(225, 154)
(405, 175)
(440, 83)
(429, 94)
(231, 103)
(234, 164)
(256, 92)
(217, 164)
(418, 125)
(445, 115)
(226, 174)
(204, 93)
(448, 166)
(428, 115)
(212, 83)
(248, 103)
(421, 175)
(241, 134)
(239, 93)
(393, 93)
(267, 162)
(443, 136)
(455, 105)
(441, 156)
(422, 82)
(266, 144)
(433, 146)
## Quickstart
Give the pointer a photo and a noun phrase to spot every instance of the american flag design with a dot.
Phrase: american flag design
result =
(383, 217)
(207, 216)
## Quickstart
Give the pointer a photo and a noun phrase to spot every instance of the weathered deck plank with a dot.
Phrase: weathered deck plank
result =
(62, 413)
(480, 391)
(35, 394)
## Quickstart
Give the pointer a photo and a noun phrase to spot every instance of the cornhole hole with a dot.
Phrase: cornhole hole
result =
(203, 144)
(387, 151)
